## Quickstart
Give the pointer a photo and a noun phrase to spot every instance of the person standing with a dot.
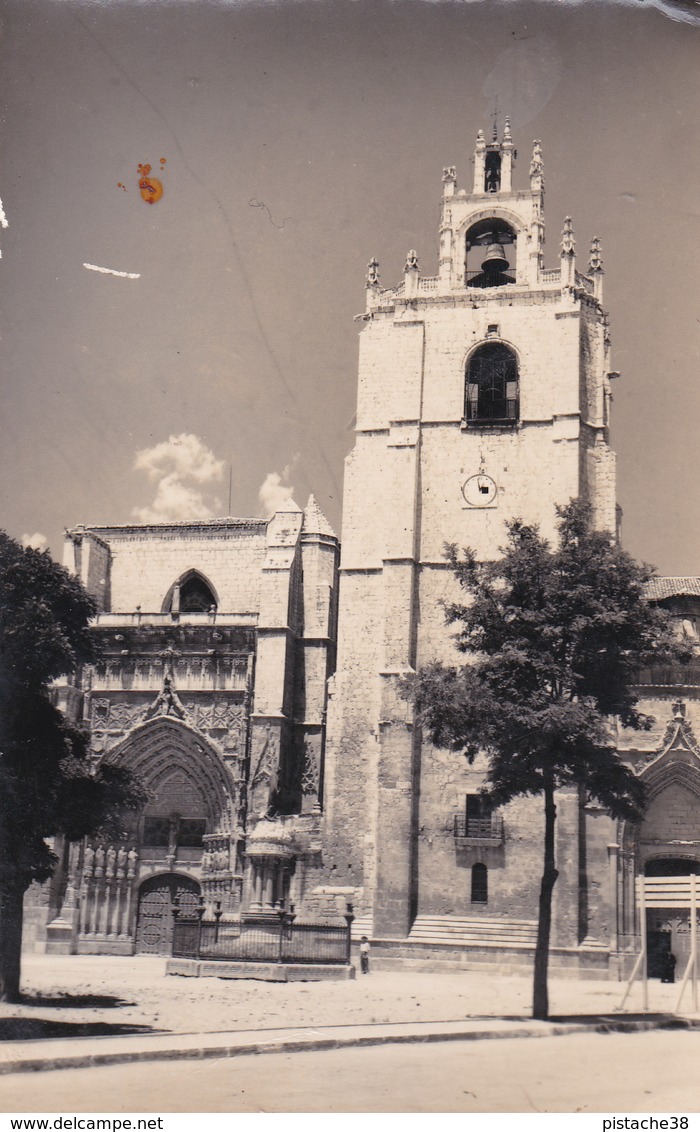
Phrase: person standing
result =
(364, 955)
(669, 975)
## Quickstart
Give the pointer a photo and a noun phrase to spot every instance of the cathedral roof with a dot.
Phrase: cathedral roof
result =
(659, 588)
(315, 522)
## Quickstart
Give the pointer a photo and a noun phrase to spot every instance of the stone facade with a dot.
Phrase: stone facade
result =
(483, 394)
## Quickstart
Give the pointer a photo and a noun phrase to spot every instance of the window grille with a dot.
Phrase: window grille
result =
(195, 596)
(492, 386)
(480, 884)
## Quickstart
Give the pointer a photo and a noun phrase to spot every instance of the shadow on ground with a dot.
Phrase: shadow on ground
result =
(618, 1020)
(612, 1020)
(33, 1029)
(75, 1001)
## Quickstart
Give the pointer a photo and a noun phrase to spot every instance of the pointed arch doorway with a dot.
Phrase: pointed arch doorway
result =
(154, 923)
(668, 931)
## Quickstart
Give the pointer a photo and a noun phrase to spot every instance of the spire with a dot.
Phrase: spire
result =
(595, 261)
(568, 243)
(287, 507)
(315, 522)
(479, 162)
(373, 272)
(411, 275)
(507, 136)
(595, 268)
(372, 285)
(449, 181)
(536, 166)
(568, 254)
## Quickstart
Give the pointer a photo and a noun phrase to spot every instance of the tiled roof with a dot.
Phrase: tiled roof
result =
(659, 588)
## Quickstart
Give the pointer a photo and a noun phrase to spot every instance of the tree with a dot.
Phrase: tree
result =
(48, 784)
(554, 638)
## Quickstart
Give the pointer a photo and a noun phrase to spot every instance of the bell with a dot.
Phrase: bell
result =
(495, 259)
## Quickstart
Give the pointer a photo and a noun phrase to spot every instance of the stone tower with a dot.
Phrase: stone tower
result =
(483, 395)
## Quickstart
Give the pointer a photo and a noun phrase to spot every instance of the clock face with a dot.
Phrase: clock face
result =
(480, 490)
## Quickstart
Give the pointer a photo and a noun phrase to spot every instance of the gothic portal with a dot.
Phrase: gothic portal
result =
(217, 639)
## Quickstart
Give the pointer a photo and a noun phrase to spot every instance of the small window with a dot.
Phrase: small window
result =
(478, 806)
(479, 815)
(492, 385)
(191, 832)
(480, 884)
(492, 172)
(156, 832)
(185, 832)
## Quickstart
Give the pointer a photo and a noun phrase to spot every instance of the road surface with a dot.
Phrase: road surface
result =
(640, 1072)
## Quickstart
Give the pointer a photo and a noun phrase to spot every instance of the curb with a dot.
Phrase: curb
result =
(300, 1044)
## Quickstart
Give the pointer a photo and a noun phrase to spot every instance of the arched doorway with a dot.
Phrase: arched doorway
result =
(154, 924)
(668, 930)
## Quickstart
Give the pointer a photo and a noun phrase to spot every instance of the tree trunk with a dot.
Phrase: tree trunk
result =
(11, 912)
(540, 995)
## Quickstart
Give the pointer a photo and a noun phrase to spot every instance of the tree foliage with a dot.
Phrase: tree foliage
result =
(48, 784)
(554, 638)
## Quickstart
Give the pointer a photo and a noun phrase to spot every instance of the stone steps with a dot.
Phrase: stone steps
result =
(362, 925)
(459, 931)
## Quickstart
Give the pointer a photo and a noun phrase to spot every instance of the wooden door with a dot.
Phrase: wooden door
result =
(154, 927)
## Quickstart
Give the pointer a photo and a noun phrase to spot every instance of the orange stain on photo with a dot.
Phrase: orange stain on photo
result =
(151, 188)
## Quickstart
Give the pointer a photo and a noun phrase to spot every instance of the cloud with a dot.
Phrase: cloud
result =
(181, 466)
(184, 456)
(275, 490)
(37, 541)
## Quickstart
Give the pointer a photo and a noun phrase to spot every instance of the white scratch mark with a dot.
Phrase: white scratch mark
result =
(111, 271)
(3, 218)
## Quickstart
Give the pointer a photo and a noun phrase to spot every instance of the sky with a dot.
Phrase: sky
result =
(293, 142)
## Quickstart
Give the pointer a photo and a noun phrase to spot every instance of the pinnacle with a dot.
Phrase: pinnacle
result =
(315, 522)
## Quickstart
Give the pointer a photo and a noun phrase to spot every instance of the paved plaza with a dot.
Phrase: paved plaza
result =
(135, 992)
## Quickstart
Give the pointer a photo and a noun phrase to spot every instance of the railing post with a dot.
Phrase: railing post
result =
(175, 909)
(217, 916)
(200, 915)
(281, 914)
(349, 917)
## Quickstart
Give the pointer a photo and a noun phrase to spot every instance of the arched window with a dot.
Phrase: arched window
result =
(492, 385)
(480, 884)
(191, 594)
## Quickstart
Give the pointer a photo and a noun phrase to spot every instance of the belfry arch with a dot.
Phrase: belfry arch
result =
(490, 252)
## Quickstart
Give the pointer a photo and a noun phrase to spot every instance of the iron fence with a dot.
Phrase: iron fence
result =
(264, 938)
(482, 279)
(490, 828)
(490, 410)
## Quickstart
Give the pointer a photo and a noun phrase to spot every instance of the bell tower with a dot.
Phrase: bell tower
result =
(483, 395)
